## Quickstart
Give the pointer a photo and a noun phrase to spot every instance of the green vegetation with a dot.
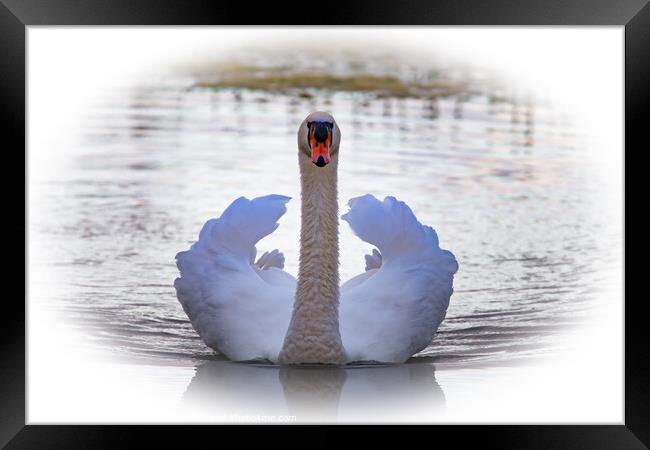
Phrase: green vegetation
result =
(280, 81)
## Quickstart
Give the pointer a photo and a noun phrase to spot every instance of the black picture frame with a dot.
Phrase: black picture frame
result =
(16, 15)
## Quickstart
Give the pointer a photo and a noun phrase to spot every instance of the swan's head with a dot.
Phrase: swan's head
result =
(319, 137)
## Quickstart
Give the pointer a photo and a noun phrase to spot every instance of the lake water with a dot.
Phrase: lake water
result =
(510, 189)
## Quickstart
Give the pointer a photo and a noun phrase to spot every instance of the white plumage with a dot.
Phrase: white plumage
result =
(242, 308)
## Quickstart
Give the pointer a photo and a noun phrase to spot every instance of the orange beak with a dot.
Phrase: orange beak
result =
(320, 140)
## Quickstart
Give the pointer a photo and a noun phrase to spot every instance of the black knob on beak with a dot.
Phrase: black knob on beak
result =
(320, 131)
(320, 162)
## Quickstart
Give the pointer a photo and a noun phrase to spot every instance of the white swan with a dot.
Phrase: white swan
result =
(254, 310)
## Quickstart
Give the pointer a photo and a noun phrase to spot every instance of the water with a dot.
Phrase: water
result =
(509, 187)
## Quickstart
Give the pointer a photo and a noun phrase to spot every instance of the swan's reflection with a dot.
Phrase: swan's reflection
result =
(228, 391)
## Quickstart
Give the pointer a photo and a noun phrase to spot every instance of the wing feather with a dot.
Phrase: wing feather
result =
(392, 311)
(238, 308)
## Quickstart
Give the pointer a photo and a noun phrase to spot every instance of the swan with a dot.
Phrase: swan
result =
(254, 310)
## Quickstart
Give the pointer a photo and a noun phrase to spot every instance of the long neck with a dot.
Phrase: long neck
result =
(313, 335)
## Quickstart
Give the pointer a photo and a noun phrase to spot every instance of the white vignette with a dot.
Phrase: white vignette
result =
(159, 60)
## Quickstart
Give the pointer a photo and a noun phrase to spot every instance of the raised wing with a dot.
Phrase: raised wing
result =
(391, 312)
(238, 307)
